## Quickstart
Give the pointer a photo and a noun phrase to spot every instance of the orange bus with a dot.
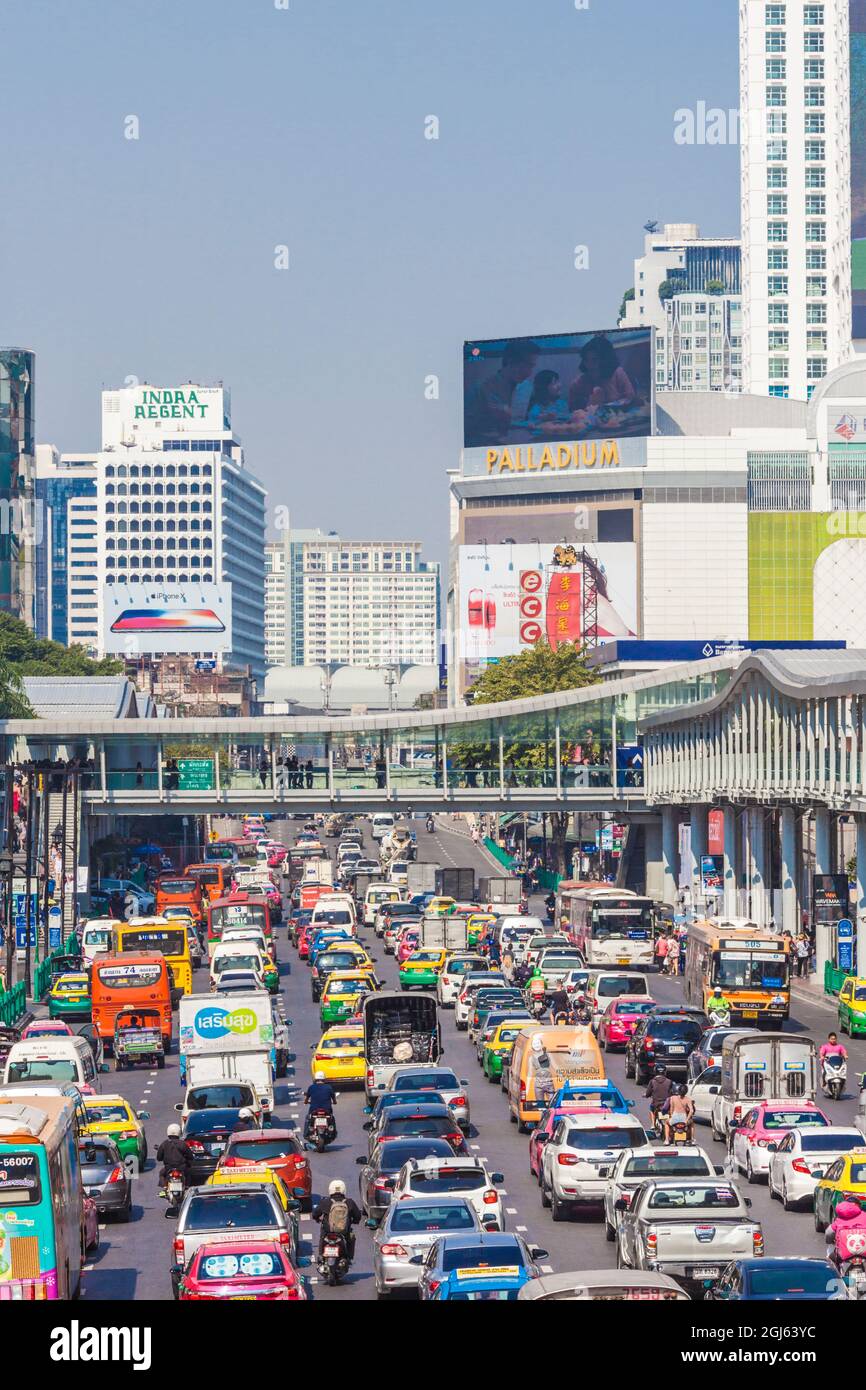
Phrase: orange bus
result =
(214, 878)
(133, 979)
(180, 890)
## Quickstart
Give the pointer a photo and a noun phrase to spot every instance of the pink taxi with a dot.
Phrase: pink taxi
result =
(620, 1019)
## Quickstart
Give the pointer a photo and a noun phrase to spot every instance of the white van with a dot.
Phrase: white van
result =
(610, 984)
(53, 1059)
(96, 937)
(382, 823)
(376, 894)
(237, 955)
(335, 910)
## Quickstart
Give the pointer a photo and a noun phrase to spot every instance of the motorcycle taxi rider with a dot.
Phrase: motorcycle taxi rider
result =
(322, 1213)
(320, 1096)
(174, 1153)
(658, 1091)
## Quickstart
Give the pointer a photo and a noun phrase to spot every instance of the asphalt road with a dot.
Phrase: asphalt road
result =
(133, 1260)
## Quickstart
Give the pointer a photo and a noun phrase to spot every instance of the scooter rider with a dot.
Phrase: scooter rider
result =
(832, 1048)
(678, 1109)
(354, 1216)
(718, 1004)
(559, 1003)
(320, 1096)
(174, 1153)
(658, 1090)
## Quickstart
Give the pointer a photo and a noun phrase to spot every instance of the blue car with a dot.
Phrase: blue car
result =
(778, 1280)
(497, 1260)
(328, 936)
(500, 1285)
(603, 1093)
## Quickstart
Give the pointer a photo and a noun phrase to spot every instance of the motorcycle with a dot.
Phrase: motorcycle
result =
(853, 1274)
(430, 824)
(679, 1132)
(323, 1130)
(537, 1005)
(334, 1258)
(720, 1018)
(834, 1073)
(173, 1192)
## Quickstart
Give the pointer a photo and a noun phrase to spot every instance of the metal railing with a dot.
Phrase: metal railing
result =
(13, 1004)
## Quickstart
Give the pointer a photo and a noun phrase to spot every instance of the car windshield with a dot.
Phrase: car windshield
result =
(441, 1180)
(791, 1119)
(258, 1264)
(336, 916)
(347, 987)
(664, 1165)
(227, 1097)
(830, 1143)
(680, 1029)
(810, 1277)
(597, 1139)
(98, 1155)
(97, 936)
(703, 1198)
(426, 1080)
(260, 1150)
(738, 970)
(100, 1113)
(509, 1034)
(224, 1211)
(43, 1069)
(475, 1256)
(444, 1216)
(236, 963)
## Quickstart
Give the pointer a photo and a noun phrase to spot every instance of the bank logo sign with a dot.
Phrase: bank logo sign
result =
(217, 1022)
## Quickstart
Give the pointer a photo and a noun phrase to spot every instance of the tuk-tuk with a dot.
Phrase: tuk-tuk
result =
(138, 1038)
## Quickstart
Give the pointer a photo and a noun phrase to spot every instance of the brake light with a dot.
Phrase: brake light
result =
(370, 1077)
(652, 1241)
(285, 1238)
(398, 1251)
(757, 1242)
(434, 1284)
(118, 1173)
(490, 1197)
(648, 1044)
(455, 1139)
(382, 1184)
(178, 1245)
(801, 1166)
(458, 1100)
(195, 1145)
(566, 1160)
(523, 1090)
(738, 1111)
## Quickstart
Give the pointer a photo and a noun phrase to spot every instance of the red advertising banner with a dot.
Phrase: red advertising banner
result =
(716, 832)
(531, 607)
(564, 610)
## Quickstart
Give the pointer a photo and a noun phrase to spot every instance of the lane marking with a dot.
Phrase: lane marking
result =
(547, 1269)
(521, 1229)
(511, 1211)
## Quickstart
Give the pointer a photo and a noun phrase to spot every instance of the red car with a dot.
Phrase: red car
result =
(407, 944)
(549, 1119)
(620, 1019)
(279, 1149)
(247, 1271)
(40, 1027)
(305, 935)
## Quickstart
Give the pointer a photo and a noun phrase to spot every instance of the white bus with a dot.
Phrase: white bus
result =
(610, 926)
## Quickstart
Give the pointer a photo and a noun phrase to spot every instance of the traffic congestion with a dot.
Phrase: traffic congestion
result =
(352, 1058)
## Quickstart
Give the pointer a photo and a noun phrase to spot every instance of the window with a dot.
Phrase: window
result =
(774, 15)
(777, 123)
(777, 313)
(777, 231)
(815, 178)
(776, 70)
(777, 285)
(777, 259)
(813, 16)
(815, 151)
(816, 231)
(777, 151)
(813, 96)
(816, 367)
(813, 123)
(777, 340)
(780, 391)
(814, 42)
(777, 204)
(816, 205)
(813, 70)
(776, 41)
(776, 96)
(777, 178)
(777, 368)
(816, 313)
(816, 259)
(816, 341)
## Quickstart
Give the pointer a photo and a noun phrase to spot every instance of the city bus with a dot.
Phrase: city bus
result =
(180, 890)
(752, 967)
(221, 852)
(41, 1200)
(609, 926)
(158, 934)
(238, 910)
(130, 981)
(213, 878)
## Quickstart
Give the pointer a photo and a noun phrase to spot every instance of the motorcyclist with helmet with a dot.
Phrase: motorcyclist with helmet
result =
(658, 1091)
(324, 1211)
(847, 1234)
(320, 1096)
(175, 1155)
(679, 1108)
(559, 1003)
(719, 1005)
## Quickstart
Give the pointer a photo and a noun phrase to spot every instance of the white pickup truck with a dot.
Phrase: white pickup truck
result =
(689, 1228)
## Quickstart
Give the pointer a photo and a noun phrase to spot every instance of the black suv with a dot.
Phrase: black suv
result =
(666, 1035)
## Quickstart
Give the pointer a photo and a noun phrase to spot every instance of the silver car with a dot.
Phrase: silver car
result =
(409, 1229)
(104, 1177)
(236, 1212)
(453, 1089)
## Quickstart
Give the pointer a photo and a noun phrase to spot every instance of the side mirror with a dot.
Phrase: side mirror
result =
(362, 1160)
(367, 1125)
(368, 1110)
(299, 1193)
(772, 1147)
(541, 1138)
(371, 1223)
(538, 1252)
(179, 1105)
(416, 1260)
(713, 1090)
(144, 1114)
(620, 1204)
(720, 1172)
(104, 1066)
(747, 1201)
(630, 1104)
(497, 1178)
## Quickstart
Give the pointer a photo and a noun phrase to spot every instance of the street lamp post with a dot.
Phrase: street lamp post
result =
(7, 869)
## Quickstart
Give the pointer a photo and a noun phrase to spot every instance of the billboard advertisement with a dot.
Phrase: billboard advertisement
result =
(512, 596)
(857, 42)
(807, 574)
(175, 619)
(136, 413)
(562, 389)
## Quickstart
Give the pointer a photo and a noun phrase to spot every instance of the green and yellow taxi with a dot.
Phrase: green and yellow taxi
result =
(500, 1045)
(69, 996)
(846, 1177)
(422, 969)
(343, 992)
(476, 925)
(115, 1117)
(440, 907)
(852, 1006)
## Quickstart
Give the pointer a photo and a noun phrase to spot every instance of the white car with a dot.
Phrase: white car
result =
(703, 1091)
(398, 874)
(635, 1166)
(802, 1159)
(468, 1178)
(580, 1156)
(146, 900)
(465, 1001)
(453, 974)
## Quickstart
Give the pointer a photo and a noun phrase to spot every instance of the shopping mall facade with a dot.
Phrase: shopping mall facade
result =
(741, 518)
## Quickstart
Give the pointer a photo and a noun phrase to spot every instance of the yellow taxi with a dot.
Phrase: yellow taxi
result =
(69, 996)
(500, 1045)
(440, 907)
(852, 1006)
(846, 1177)
(476, 925)
(115, 1117)
(343, 992)
(339, 1054)
(422, 969)
(261, 1174)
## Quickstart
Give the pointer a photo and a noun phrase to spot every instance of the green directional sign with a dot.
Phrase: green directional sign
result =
(196, 774)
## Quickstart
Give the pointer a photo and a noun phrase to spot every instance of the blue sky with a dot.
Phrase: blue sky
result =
(305, 127)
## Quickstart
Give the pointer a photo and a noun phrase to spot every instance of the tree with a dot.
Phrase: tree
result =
(714, 287)
(38, 656)
(13, 702)
(667, 290)
(540, 670)
(626, 299)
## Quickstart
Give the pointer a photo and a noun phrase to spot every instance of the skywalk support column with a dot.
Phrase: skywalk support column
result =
(698, 843)
(860, 923)
(757, 851)
(790, 861)
(654, 868)
(823, 865)
(669, 855)
(731, 877)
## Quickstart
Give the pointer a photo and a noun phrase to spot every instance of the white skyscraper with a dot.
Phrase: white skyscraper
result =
(796, 193)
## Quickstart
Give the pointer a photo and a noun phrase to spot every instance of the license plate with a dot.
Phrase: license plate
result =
(676, 1049)
(332, 1249)
(750, 1013)
(622, 960)
(706, 1272)
(242, 1298)
(217, 1148)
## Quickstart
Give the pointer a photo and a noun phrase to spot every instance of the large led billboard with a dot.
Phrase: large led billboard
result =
(857, 50)
(512, 596)
(559, 389)
(175, 619)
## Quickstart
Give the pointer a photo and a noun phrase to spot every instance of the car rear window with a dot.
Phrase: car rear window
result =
(684, 1198)
(791, 1119)
(622, 984)
(599, 1139)
(442, 1217)
(472, 1256)
(100, 1112)
(447, 1180)
(258, 1264)
(220, 1098)
(431, 1080)
(101, 1154)
(668, 1029)
(260, 1150)
(433, 1125)
(229, 1210)
(830, 1143)
(777, 1283)
(671, 1165)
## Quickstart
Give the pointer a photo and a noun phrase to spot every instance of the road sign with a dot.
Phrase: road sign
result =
(21, 935)
(196, 774)
(845, 944)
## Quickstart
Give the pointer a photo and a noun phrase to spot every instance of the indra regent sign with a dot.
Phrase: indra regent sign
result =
(170, 405)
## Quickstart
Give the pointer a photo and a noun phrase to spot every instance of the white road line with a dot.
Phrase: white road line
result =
(520, 1228)
(511, 1211)
(151, 1073)
(547, 1269)
(475, 1146)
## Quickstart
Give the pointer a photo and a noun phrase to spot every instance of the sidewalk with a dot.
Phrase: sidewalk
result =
(811, 991)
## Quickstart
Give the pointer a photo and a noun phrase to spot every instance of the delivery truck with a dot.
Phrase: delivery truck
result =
(455, 883)
(444, 933)
(421, 878)
(500, 890)
(399, 1031)
(228, 1035)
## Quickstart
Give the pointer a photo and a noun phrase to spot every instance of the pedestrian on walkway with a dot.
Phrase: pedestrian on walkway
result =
(264, 769)
(309, 774)
(661, 952)
(803, 953)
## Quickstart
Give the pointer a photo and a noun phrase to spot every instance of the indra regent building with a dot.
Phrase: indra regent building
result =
(741, 518)
(168, 503)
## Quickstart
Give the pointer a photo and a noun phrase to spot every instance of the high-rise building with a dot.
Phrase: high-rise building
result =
(354, 603)
(167, 501)
(687, 287)
(796, 193)
(18, 516)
